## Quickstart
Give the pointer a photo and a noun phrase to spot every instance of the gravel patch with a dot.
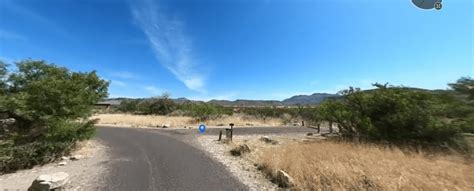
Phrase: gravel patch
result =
(87, 173)
(244, 167)
(240, 167)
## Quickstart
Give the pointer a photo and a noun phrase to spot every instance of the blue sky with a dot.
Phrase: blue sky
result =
(251, 49)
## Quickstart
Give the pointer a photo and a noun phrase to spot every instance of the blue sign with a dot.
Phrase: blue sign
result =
(202, 128)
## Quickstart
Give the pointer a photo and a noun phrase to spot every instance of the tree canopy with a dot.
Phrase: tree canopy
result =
(50, 105)
(397, 114)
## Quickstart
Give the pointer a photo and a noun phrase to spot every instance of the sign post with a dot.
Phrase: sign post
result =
(231, 130)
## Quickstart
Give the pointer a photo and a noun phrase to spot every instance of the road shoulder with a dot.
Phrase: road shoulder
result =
(84, 174)
(243, 169)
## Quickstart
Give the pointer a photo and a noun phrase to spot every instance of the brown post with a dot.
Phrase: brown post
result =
(319, 127)
(231, 131)
(220, 135)
(302, 123)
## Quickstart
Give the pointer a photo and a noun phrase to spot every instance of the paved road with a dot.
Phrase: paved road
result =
(245, 130)
(262, 130)
(143, 159)
(163, 159)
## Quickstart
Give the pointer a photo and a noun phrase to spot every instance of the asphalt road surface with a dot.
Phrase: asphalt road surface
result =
(145, 160)
(155, 159)
(263, 130)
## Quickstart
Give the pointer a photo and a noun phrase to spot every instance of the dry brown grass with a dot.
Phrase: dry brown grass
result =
(180, 121)
(342, 166)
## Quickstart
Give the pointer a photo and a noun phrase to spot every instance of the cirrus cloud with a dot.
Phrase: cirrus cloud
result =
(172, 48)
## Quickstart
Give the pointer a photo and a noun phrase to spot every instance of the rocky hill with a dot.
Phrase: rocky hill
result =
(312, 99)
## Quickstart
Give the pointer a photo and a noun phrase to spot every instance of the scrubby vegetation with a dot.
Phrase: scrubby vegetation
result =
(403, 115)
(202, 111)
(50, 106)
(163, 105)
(392, 114)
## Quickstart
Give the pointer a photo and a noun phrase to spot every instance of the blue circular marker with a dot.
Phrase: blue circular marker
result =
(202, 128)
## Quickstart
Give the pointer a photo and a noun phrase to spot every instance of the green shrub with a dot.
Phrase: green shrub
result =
(465, 125)
(465, 87)
(129, 105)
(309, 114)
(162, 106)
(15, 157)
(203, 111)
(158, 106)
(262, 112)
(51, 106)
(143, 107)
(390, 114)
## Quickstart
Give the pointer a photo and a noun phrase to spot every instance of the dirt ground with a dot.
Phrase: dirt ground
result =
(85, 173)
(153, 121)
(244, 167)
(316, 163)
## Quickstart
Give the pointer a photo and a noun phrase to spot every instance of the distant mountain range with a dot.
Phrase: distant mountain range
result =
(295, 100)
(312, 99)
(315, 98)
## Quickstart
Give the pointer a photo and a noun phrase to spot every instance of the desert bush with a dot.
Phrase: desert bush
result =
(262, 112)
(165, 106)
(309, 114)
(161, 106)
(143, 107)
(129, 105)
(462, 109)
(15, 157)
(158, 105)
(59, 139)
(389, 114)
(464, 86)
(51, 106)
(204, 111)
(467, 126)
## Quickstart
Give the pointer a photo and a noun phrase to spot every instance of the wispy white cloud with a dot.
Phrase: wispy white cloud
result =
(8, 35)
(153, 90)
(171, 46)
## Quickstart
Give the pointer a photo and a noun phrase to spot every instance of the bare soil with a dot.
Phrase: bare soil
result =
(245, 167)
(86, 173)
(153, 121)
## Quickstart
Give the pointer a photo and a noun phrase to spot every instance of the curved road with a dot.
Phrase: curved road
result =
(163, 159)
(146, 160)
